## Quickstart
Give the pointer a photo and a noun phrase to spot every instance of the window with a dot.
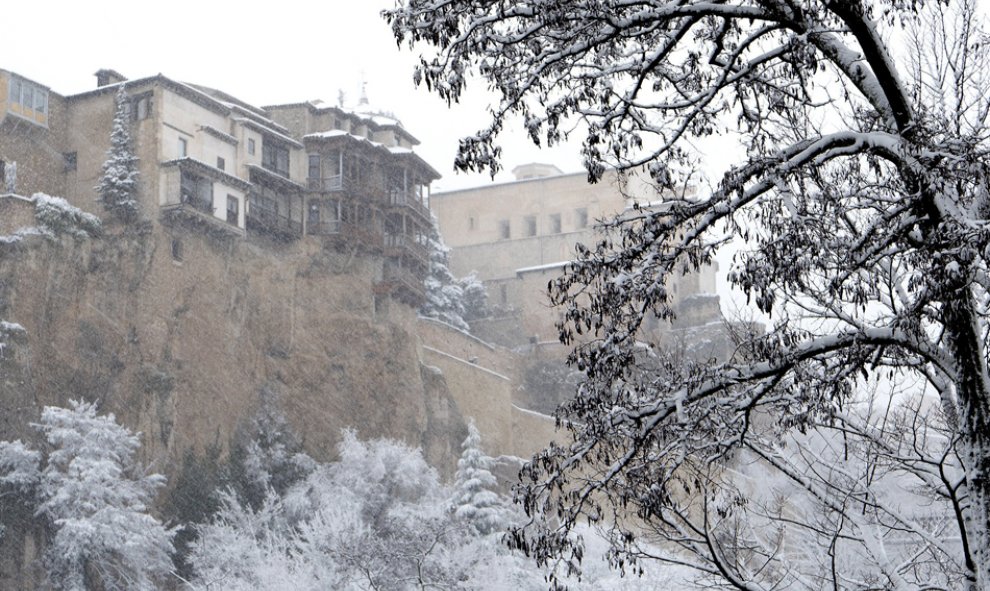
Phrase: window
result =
(314, 213)
(555, 223)
(221, 164)
(314, 166)
(233, 207)
(503, 294)
(28, 100)
(140, 108)
(183, 147)
(581, 218)
(176, 250)
(530, 222)
(275, 158)
(71, 160)
(472, 224)
(251, 146)
(196, 191)
(504, 230)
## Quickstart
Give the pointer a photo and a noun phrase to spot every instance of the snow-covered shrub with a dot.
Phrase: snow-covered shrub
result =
(94, 499)
(55, 217)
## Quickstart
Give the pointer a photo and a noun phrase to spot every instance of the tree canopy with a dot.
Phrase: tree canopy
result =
(859, 212)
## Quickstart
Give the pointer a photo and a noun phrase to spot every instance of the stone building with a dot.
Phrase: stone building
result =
(207, 158)
(519, 235)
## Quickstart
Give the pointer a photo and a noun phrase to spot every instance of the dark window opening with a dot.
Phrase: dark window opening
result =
(275, 158)
(504, 230)
(176, 249)
(196, 191)
(314, 166)
(581, 218)
(530, 225)
(233, 209)
(251, 146)
(71, 161)
(221, 163)
(183, 147)
(555, 223)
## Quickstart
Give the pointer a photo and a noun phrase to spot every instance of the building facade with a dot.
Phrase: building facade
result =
(518, 236)
(281, 173)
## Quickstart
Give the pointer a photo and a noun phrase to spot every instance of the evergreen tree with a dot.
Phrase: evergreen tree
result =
(444, 294)
(474, 501)
(119, 185)
(95, 499)
(475, 297)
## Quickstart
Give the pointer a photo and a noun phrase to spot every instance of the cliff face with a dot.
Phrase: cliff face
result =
(179, 349)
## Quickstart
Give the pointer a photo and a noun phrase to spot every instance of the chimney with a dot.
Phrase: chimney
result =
(106, 77)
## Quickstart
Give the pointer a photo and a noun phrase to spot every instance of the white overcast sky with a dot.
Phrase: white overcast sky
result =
(262, 53)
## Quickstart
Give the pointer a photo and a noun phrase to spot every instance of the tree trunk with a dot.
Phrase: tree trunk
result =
(973, 390)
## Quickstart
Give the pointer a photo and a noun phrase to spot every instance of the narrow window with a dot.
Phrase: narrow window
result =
(530, 225)
(504, 230)
(503, 294)
(176, 249)
(233, 207)
(314, 166)
(183, 147)
(472, 224)
(15, 91)
(71, 160)
(143, 108)
(251, 146)
(555, 223)
(221, 164)
(581, 218)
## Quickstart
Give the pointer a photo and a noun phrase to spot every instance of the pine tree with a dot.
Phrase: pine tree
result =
(474, 501)
(444, 294)
(119, 185)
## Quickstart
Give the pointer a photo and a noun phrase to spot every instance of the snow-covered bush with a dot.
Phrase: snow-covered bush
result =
(56, 217)
(94, 499)
(268, 455)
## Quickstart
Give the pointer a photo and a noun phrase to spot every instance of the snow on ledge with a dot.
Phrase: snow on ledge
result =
(541, 268)
(490, 346)
(466, 362)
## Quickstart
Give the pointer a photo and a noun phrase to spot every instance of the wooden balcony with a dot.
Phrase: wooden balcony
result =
(403, 284)
(400, 245)
(200, 215)
(279, 226)
(408, 201)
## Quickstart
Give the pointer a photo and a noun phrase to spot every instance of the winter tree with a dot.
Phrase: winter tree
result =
(119, 184)
(858, 208)
(444, 294)
(474, 500)
(269, 454)
(95, 498)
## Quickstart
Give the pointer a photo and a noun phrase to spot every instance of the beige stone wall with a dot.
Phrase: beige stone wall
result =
(16, 212)
(472, 370)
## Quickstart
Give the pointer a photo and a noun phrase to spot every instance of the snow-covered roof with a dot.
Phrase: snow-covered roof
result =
(392, 150)
(265, 129)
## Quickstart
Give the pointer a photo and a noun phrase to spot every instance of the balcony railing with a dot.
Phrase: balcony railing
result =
(403, 283)
(405, 244)
(266, 220)
(196, 213)
(323, 227)
(327, 184)
(408, 199)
